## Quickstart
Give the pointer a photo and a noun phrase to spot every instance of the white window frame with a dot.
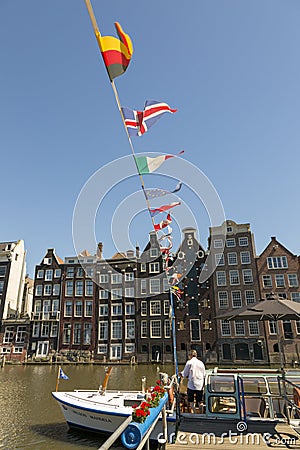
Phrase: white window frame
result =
(221, 278)
(245, 257)
(103, 294)
(232, 258)
(250, 293)
(144, 309)
(103, 278)
(253, 328)
(39, 290)
(218, 243)
(88, 305)
(116, 329)
(234, 277)
(48, 274)
(155, 329)
(102, 330)
(154, 286)
(57, 273)
(129, 329)
(154, 253)
(277, 262)
(293, 280)
(154, 267)
(129, 292)
(47, 289)
(129, 308)
(116, 293)
(219, 259)
(129, 276)
(79, 288)
(103, 310)
(247, 276)
(267, 281)
(116, 278)
(155, 308)
(230, 242)
(239, 327)
(236, 299)
(243, 241)
(116, 309)
(144, 329)
(279, 280)
(223, 299)
(143, 286)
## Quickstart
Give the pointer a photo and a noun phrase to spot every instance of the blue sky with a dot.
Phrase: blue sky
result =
(231, 68)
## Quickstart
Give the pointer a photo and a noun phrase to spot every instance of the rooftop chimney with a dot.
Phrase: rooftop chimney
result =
(99, 250)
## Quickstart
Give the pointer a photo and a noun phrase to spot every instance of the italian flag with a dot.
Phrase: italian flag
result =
(145, 164)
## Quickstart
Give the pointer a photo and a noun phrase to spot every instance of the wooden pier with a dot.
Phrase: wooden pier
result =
(286, 438)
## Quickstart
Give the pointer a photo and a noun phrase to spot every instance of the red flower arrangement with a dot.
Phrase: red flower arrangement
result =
(153, 396)
(140, 412)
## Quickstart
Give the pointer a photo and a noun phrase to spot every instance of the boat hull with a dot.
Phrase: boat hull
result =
(103, 414)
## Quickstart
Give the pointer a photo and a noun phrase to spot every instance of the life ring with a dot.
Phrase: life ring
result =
(296, 395)
(171, 396)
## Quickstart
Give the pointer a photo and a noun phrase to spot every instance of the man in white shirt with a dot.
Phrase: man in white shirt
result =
(195, 372)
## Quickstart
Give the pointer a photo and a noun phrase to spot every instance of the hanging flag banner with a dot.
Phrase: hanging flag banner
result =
(167, 247)
(167, 233)
(145, 164)
(116, 53)
(157, 192)
(155, 211)
(163, 223)
(138, 122)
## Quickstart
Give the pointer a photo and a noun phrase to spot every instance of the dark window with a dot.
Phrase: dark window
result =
(242, 351)
(226, 351)
(257, 352)
(193, 308)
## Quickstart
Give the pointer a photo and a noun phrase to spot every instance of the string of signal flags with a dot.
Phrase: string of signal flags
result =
(117, 53)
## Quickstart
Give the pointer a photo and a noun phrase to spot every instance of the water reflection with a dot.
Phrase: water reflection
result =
(31, 418)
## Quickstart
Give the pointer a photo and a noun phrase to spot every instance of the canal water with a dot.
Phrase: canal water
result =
(31, 419)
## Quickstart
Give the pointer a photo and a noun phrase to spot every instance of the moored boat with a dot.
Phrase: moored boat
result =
(104, 411)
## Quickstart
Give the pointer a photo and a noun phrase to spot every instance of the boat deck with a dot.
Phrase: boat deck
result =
(286, 437)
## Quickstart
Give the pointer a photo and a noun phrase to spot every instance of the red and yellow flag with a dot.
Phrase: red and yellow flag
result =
(116, 53)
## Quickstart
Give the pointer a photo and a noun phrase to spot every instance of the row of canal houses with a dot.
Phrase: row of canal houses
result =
(87, 308)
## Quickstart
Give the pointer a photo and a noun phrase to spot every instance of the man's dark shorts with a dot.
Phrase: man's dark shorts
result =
(191, 393)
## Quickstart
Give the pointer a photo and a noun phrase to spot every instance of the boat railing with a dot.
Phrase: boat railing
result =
(92, 401)
(293, 402)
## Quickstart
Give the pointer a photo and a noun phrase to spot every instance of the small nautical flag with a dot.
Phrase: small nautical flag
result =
(138, 122)
(163, 223)
(155, 211)
(157, 192)
(62, 375)
(116, 53)
(145, 164)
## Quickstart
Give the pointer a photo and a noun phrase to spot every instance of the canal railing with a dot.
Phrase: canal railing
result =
(135, 436)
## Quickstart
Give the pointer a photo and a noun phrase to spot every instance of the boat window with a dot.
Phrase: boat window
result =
(255, 385)
(289, 388)
(222, 405)
(221, 383)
